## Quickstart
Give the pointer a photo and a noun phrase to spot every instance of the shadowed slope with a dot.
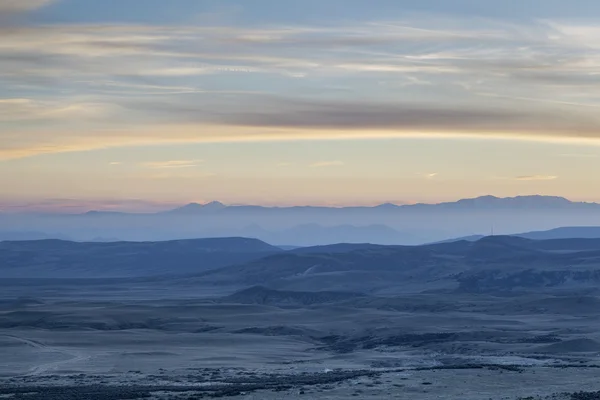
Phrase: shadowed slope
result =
(62, 259)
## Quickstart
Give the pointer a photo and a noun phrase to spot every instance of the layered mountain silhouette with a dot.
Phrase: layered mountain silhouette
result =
(491, 265)
(483, 203)
(571, 232)
(193, 208)
(315, 234)
(386, 224)
(478, 203)
(497, 264)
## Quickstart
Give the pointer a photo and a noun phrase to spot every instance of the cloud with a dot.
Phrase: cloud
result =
(14, 6)
(499, 50)
(22, 109)
(180, 175)
(579, 155)
(536, 178)
(172, 164)
(115, 163)
(360, 115)
(18, 143)
(324, 164)
(431, 175)
(82, 87)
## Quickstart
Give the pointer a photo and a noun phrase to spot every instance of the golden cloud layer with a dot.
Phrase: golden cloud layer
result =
(99, 86)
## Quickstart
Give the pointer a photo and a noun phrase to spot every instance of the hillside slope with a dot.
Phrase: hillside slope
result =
(63, 259)
(493, 264)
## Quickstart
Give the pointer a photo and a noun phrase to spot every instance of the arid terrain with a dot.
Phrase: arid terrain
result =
(502, 318)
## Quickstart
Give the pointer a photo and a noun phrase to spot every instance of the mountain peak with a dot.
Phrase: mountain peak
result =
(214, 205)
(488, 197)
(197, 207)
(387, 206)
(534, 197)
(533, 201)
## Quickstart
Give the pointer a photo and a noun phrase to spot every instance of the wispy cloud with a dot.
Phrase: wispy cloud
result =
(579, 155)
(431, 175)
(10, 6)
(536, 178)
(115, 163)
(172, 164)
(325, 164)
(22, 109)
(181, 175)
(128, 85)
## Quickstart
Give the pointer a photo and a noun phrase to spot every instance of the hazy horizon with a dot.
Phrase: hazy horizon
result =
(75, 206)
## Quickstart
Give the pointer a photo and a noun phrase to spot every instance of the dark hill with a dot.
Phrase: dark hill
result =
(581, 232)
(354, 271)
(567, 245)
(497, 248)
(493, 264)
(574, 233)
(490, 265)
(336, 248)
(62, 259)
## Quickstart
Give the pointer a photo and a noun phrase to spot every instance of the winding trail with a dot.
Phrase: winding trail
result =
(75, 356)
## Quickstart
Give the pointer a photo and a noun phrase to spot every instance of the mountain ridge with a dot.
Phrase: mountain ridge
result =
(54, 258)
(306, 226)
(563, 232)
(495, 264)
(481, 202)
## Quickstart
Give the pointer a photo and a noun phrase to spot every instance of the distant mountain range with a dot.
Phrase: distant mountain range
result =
(194, 208)
(479, 203)
(570, 232)
(310, 235)
(315, 234)
(387, 224)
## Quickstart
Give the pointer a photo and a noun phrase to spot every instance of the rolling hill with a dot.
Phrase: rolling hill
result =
(497, 264)
(63, 259)
(567, 232)
(493, 264)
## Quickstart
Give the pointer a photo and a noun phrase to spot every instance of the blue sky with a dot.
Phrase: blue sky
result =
(308, 11)
(279, 102)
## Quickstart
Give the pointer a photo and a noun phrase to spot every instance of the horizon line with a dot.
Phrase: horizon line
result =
(80, 209)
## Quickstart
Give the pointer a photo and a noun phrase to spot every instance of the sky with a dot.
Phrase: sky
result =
(147, 104)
